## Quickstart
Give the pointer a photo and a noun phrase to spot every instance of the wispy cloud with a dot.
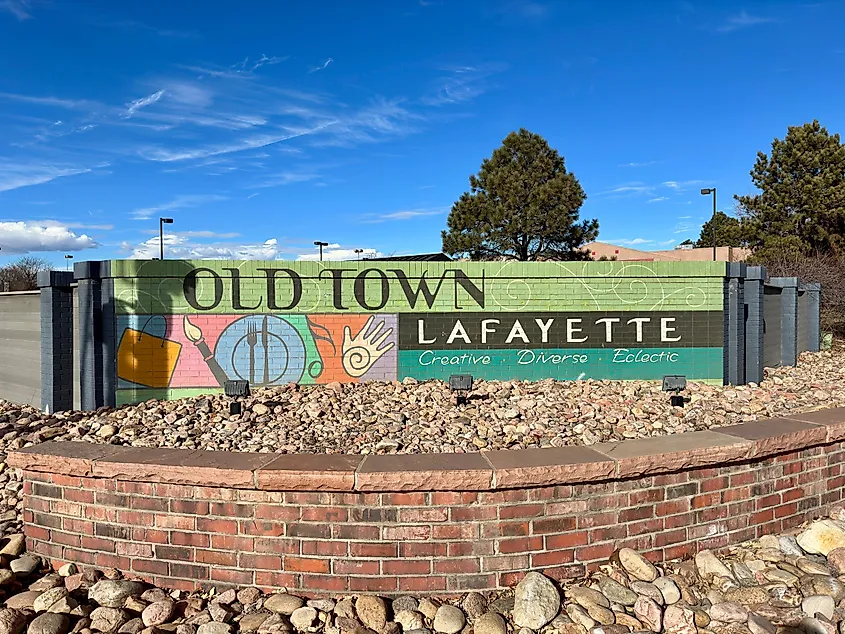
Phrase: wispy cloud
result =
(287, 178)
(461, 83)
(164, 155)
(34, 235)
(742, 20)
(405, 214)
(658, 199)
(14, 175)
(631, 242)
(180, 202)
(184, 246)
(73, 104)
(656, 190)
(21, 9)
(321, 67)
(134, 25)
(644, 164)
(133, 106)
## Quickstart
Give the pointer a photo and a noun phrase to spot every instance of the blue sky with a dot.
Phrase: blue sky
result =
(262, 127)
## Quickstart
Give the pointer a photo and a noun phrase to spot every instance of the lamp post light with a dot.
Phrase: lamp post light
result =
(706, 192)
(161, 223)
(358, 253)
(321, 245)
(68, 258)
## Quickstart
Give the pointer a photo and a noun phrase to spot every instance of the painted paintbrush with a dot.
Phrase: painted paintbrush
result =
(194, 335)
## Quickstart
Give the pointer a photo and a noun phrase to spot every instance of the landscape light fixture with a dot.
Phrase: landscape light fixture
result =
(321, 245)
(68, 258)
(706, 192)
(161, 223)
(358, 253)
(676, 383)
(235, 389)
(460, 384)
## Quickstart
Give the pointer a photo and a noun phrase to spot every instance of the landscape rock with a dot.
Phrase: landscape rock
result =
(157, 613)
(709, 565)
(760, 625)
(669, 589)
(372, 611)
(490, 623)
(214, 627)
(822, 537)
(49, 623)
(428, 608)
(818, 604)
(47, 598)
(635, 564)
(536, 601)
(112, 593)
(616, 592)
(449, 620)
(25, 565)
(280, 603)
(12, 621)
(108, 620)
(648, 611)
(679, 620)
(728, 612)
(303, 618)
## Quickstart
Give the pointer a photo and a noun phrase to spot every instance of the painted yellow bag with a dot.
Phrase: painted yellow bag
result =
(147, 359)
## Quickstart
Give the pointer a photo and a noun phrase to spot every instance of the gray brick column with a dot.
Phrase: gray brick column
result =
(56, 340)
(753, 298)
(97, 369)
(734, 314)
(788, 318)
(814, 305)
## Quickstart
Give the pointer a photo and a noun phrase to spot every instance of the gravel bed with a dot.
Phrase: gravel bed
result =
(421, 417)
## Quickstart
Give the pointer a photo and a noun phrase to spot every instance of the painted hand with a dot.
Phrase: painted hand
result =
(362, 351)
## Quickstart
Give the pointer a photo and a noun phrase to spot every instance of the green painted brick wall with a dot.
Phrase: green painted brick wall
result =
(274, 322)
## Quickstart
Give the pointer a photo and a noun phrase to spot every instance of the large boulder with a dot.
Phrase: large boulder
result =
(113, 593)
(536, 601)
(822, 537)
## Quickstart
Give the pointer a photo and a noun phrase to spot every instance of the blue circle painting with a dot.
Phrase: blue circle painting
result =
(261, 349)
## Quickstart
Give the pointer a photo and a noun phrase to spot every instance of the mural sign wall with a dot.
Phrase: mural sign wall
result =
(186, 327)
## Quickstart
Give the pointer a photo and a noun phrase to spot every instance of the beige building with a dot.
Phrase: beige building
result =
(598, 250)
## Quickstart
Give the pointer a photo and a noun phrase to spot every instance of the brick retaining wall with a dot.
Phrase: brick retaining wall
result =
(437, 523)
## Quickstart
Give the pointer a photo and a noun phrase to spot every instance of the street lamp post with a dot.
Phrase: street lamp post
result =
(68, 258)
(706, 192)
(161, 223)
(358, 253)
(321, 245)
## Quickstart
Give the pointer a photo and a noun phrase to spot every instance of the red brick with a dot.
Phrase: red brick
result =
(676, 521)
(592, 553)
(428, 583)
(230, 509)
(374, 584)
(105, 560)
(150, 566)
(403, 499)
(469, 513)
(739, 479)
(378, 549)
(328, 549)
(136, 518)
(189, 571)
(66, 481)
(665, 538)
(189, 507)
(654, 494)
(608, 532)
(469, 548)
(300, 564)
(180, 538)
(216, 557)
(449, 498)
(230, 542)
(79, 557)
(421, 549)
(405, 567)
(208, 525)
(412, 516)
(505, 529)
(470, 582)
(131, 549)
(281, 580)
(457, 566)
(74, 525)
(79, 495)
(786, 509)
(520, 544)
(520, 511)
(355, 531)
(468, 530)
(639, 513)
(93, 543)
(552, 558)
(324, 514)
(150, 504)
(598, 519)
(647, 526)
(566, 540)
(553, 525)
(260, 562)
(768, 501)
(277, 546)
(234, 577)
(65, 538)
(179, 522)
(402, 533)
(260, 528)
(505, 562)
(354, 567)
